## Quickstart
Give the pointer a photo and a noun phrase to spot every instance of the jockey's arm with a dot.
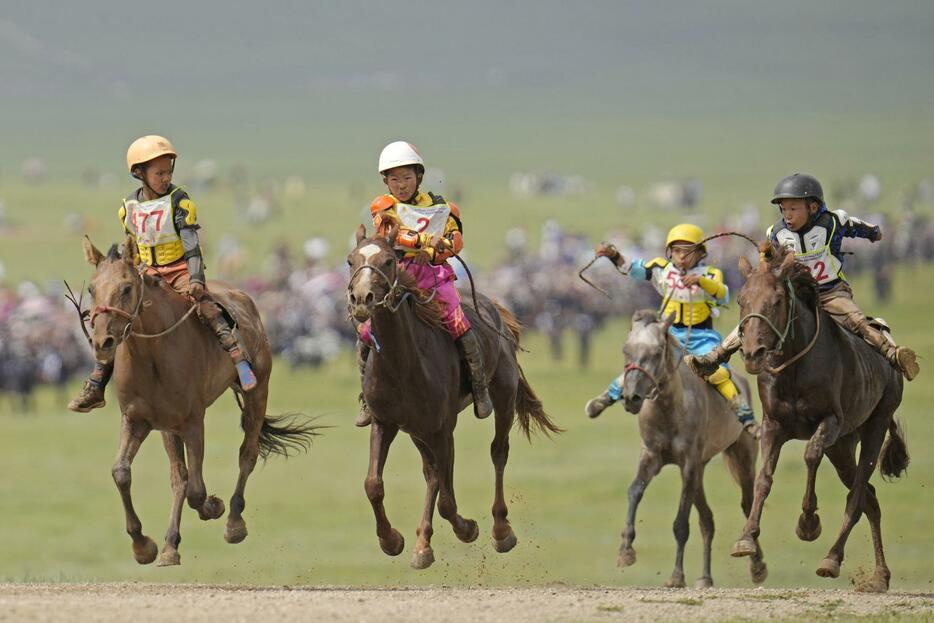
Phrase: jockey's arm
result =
(857, 228)
(451, 241)
(186, 222)
(642, 270)
(712, 283)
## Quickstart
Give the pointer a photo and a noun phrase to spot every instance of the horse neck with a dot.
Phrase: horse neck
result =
(161, 309)
(396, 333)
(671, 388)
(803, 326)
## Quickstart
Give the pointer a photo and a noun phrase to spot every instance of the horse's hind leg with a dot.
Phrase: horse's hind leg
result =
(504, 539)
(208, 507)
(649, 466)
(466, 530)
(132, 435)
(424, 556)
(381, 436)
(175, 449)
(828, 430)
(843, 457)
(871, 437)
(251, 421)
(705, 517)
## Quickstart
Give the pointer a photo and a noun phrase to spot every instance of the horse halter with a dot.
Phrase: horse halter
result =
(394, 287)
(656, 385)
(131, 318)
(789, 329)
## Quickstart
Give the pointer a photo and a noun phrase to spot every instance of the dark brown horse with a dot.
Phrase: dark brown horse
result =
(683, 421)
(817, 382)
(415, 383)
(166, 383)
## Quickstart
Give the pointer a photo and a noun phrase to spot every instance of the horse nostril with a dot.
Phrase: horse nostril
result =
(369, 298)
(108, 343)
(759, 352)
(353, 299)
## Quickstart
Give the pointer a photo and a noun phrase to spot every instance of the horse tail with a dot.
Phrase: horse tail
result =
(894, 459)
(285, 434)
(530, 410)
(514, 326)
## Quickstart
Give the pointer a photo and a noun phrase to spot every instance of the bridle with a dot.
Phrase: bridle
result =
(656, 385)
(394, 288)
(789, 329)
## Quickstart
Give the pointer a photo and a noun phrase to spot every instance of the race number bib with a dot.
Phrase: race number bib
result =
(821, 263)
(674, 289)
(431, 220)
(151, 222)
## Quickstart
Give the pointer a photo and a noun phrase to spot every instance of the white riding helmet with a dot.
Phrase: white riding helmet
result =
(399, 154)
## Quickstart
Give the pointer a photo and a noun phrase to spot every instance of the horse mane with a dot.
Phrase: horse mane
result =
(430, 312)
(645, 316)
(802, 280)
(113, 253)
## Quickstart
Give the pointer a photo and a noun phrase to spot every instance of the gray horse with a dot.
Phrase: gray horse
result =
(682, 421)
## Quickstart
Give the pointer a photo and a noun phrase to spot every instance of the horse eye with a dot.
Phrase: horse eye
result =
(388, 262)
(91, 290)
(125, 291)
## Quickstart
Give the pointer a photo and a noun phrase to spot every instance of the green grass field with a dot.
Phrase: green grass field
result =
(310, 522)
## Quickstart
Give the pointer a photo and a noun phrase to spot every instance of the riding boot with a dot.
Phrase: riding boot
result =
(598, 405)
(364, 418)
(92, 394)
(470, 346)
(214, 317)
(903, 358)
(705, 365)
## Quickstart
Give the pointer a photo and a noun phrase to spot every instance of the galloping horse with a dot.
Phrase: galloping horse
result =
(685, 422)
(415, 383)
(818, 382)
(167, 381)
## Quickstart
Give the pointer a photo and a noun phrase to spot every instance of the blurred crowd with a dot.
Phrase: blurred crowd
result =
(301, 291)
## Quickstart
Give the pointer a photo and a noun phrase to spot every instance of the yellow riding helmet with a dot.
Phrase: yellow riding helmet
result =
(685, 231)
(148, 148)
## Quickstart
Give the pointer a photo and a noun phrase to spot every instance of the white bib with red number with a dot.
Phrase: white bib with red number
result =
(151, 222)
(668, 283)
(431, 220)
(815, 255)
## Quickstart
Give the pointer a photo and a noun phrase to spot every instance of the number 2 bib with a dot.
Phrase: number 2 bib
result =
(431, 220)
(816, 254)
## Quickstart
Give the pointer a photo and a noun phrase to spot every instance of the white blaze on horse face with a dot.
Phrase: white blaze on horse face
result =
(367, 252)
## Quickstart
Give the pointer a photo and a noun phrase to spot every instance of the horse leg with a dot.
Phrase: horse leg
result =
(828, 430)
(705, 516)
(175, 449)
(504, 539)
(466, 530)
(208, 507)
(681, 528)
(424, 556)
(741, 459)
(773, 438)
(381, 436)
(251, 420)
(132, 435)
(649, 466)
(871, 437)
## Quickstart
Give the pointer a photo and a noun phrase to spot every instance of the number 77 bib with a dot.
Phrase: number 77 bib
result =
(151, 222)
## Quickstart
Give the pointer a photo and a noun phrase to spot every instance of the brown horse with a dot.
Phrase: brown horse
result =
(415, 383)
(166, 383)
(683, 421)
(818, 382)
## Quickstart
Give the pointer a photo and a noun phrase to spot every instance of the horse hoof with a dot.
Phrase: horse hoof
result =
(213, 508)
(744, 547)
(759, 572)
(627, 558)
(394, 545)
(473, 531)
(808, 529)
(675, 581)
(146, 551)
(504, 545)
(704, 582)
(236, 531)
(169, 558)
(423, 559)
(829, 568)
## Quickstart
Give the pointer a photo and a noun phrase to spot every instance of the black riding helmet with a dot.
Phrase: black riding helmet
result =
(798, 186)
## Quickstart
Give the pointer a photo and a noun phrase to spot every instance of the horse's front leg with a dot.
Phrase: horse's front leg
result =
(828, 430)
(424, 556)
(132, 435)
(381, 436)
(649, 466)
(208, 507)
(466, 530)
(773, 438)
(681, 528)
(175, 449)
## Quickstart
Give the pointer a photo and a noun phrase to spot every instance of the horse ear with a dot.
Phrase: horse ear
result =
(668, 320)
(130, 250)
(91, 254)
(785, 269)
(745, 268)
(360, 233)
(393, 233)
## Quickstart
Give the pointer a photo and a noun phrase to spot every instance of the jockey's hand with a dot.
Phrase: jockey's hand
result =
(440, 245)
(609, 251)
(690, 281)
(421, 257)
(196, 290)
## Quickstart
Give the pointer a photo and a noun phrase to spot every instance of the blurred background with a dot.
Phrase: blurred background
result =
(553, 126)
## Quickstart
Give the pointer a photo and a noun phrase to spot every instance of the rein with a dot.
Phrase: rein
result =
(789, 329)
(394, 287)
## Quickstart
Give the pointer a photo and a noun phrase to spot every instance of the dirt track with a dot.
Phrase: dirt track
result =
(177, 602)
